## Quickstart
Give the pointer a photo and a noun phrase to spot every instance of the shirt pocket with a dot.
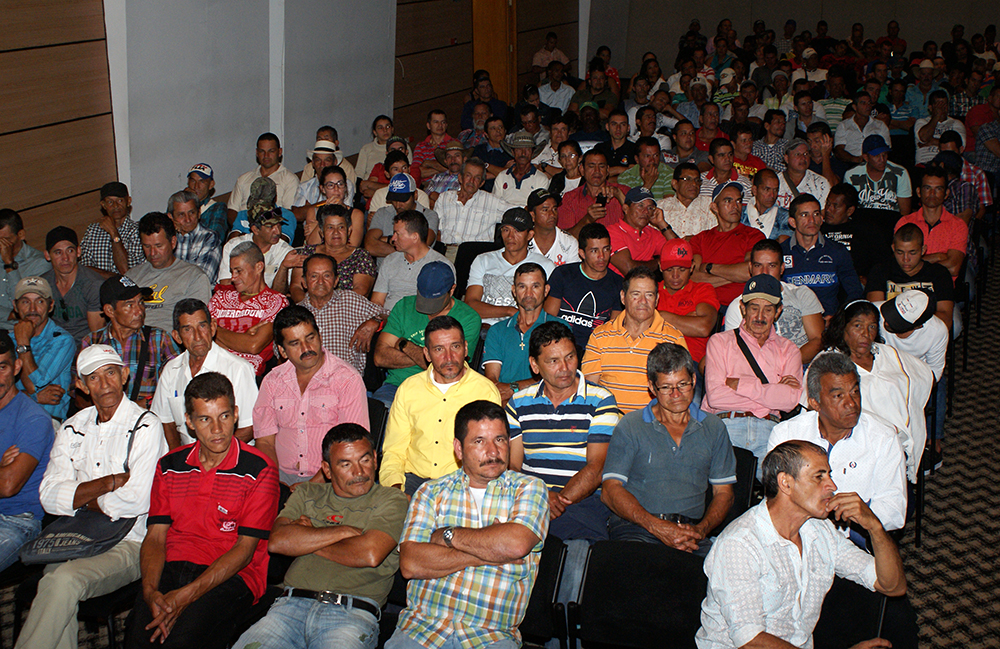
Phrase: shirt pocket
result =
(286, 411)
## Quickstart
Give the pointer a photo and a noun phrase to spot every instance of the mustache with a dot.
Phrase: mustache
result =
(306, 355)
(360, 480)
(493, 461)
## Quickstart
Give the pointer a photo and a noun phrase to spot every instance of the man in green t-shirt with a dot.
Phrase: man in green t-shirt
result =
(344, 535)
(400, 346)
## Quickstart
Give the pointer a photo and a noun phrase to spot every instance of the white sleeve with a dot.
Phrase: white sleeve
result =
(160, 406)
(477, 270)
(733, 316)
(889, 485)
(132, 499)
(224, 272)
(245, 388)
(58, 486)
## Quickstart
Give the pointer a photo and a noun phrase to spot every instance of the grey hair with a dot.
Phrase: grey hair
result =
(828, 363)
(183, 196)
(473, 162)
(667, 358)
(247, 249)
(787, 457)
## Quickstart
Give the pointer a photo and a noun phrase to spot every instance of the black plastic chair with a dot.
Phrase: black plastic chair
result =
(852, 614)
(545, 617)
(394, 605)
(467, 252)
(746, 472)
(637, 594)
(378, 417)
(12, 576)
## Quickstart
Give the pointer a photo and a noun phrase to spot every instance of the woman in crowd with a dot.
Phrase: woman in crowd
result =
(355, 267)
(333, 185)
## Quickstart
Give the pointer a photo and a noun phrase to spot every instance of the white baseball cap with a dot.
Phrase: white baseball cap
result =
(94, 357)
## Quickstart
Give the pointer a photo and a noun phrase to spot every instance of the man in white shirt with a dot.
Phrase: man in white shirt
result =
(269, 165)
(555, 93)
(468, 214)
(798, 175)
(194, 329)
(865, 455)
(769, 570)
(929, 129)
(557, 245)
(851, 133)
(92, 466)
(909, 325)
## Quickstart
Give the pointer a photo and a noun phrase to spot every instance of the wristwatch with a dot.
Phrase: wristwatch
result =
(11, 266)
(708, 268)
(401, 345)
(448, 535)
(514, 387)
(22, 349)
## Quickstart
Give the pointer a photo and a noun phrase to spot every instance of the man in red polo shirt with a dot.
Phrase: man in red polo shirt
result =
(946, 236)
(424, 164)
(204, 558)
(691, 307)
(595, 200)
(636, 240)
(721, 254)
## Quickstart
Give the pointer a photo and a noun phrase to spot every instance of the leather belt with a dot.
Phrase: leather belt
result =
(677, 518)
(336, 599)
(742, 415)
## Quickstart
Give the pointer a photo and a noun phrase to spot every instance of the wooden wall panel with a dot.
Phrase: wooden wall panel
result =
(494, 37)
(539, 15)
(530, 42)
(433, 73)
(48, 164)
(430, 25)
(411, 121)
(76, 213)
(53, 84)
(36, 23)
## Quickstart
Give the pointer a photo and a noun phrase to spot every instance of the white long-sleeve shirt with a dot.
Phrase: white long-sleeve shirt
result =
(868, 462)
(86, 449)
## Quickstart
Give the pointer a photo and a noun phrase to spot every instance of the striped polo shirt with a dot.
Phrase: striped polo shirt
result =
(555, 438)
(620, 359)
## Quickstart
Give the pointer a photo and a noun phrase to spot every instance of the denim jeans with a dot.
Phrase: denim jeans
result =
(752, 434)
(400, 640)
(299, 623)
(15, 531)
(386, 394)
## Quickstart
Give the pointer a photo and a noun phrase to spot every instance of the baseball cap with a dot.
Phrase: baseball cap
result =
(588, 104)
(806, 53)
(874, 145)
(795, 143)
(203, 170)
(518, 218)
(434, 287)
(95, 357)
(907, 311)
(729, 183)
(116, 189)
(638, 194)
(762, 287)
(726, 76)
(264, 216)
(401, 187)
(119, 287)
(323, 146)
(700, 79)
(676, 252)
(538, 197)
(33, 285)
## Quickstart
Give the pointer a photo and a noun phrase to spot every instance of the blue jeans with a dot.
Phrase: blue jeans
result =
(298, 623)
(752, 434)
(386, 394)
(400, 640)
(15, 531)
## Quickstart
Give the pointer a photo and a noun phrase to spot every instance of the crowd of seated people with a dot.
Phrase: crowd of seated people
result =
(571, 309)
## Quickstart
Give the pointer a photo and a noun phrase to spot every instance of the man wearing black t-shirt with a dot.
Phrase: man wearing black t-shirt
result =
(868, 243)
(620, 151)
(909, 271)
(586, 295)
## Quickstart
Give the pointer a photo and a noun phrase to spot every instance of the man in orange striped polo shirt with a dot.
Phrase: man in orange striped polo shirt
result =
(616, 353)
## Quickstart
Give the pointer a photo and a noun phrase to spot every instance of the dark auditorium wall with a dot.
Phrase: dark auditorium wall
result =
(657, 25)
(57, 144)
(534, 21)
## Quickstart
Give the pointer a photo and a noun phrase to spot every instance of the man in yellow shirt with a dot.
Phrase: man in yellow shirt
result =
(418, 436)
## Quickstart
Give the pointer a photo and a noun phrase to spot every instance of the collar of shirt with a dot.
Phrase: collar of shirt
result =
(749, 337)
(619, 323)
(429, 377)
(820, 241)
(120, 418)
(581, 388)
(228, 462)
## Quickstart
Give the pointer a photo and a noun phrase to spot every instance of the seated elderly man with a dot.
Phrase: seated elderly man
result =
(103, 458)
(865, 455)
(752, 374)
(756, 594)
(204, 560)
(687, 212)
(19, 261)
(343, 536)
(663, 459)
(196, 244)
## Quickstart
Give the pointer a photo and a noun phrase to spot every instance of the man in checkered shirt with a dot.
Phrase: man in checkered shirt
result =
(111, 245)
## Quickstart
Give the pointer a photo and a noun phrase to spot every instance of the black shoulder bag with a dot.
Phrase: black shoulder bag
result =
(760, 373)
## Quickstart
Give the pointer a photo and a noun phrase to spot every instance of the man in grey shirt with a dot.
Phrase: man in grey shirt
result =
(398, 276)
(401, 198)
(171, 279)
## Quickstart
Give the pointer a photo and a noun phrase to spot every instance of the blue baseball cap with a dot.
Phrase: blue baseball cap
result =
(638, 194)
(401, 187)
(729, 183)
(874, 145)
(434, 287)
(762, 287)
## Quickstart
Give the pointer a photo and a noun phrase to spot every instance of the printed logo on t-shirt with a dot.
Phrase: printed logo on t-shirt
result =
(789, 263)
(156, 299)
(228, 526)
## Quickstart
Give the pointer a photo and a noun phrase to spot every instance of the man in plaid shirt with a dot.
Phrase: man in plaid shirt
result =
(111, 245)
(196, 244)
(471, 543)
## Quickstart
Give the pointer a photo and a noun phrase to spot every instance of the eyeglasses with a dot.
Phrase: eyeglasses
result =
(694, 179)
(339, 185)
(682, 387)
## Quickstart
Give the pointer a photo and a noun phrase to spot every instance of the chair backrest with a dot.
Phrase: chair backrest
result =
(378, 416)
(476, 360)
(541, 618)
(467, 252)
(638, 594)
(746, 471)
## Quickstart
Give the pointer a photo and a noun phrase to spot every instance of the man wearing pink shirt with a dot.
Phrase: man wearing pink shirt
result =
(301, 400)
(748, 405)
(945, 235)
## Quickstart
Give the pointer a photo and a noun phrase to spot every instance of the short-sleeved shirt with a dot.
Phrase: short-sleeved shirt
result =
(890, 278)
(208, 510)
(869, 244)
(643, 245)
(272, 258)
(397, 277)
(383, 219)
(236, 315)
(664, 476)
(826, 268)
(95, 247)
(575, 204)
(881, 194)
(730, 247)
(660, 189)
(690, 220)
(382, 509)
(555, 438)
(170, 285)
(53, 350)
(24, 424)
(949, 233)
(162, 348)
(405, 322)
(684, 302)
(338, 319)
(507, 346)
(601, 99)
(70, 311)
(852, 136)
(496, 275)
(564, 249)
(585, 303)
(623, 156)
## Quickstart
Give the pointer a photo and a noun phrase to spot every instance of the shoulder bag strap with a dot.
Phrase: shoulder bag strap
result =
(791, 186)
(147, 332)
(749, 356)
(131, 438)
